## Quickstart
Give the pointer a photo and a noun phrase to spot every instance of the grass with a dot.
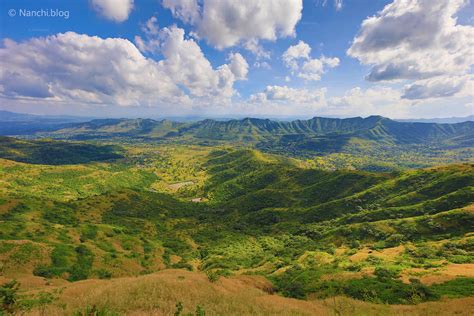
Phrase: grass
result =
(263, 214)
(459, 287)
(165, 292)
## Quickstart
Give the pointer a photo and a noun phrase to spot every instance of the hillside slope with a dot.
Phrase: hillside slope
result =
(251, 130)
(372, 143)
(51, 152)
(162, 293)
(255, 213)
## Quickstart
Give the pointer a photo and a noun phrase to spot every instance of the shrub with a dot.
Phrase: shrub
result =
(388, 291)
(104, 274)
(81, 268)
(179, 309)
(460, 287)
(88, 232)
(384, 273)
(9, 296)
(213, 276)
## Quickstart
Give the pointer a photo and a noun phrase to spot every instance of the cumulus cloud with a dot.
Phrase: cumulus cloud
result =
(439, 87)
(187, 65)
(257, 49)
(115, 10)
(296, 52)
(286, 94)
(378, 100)
(150, 43)
(415, 39)
(151, 26)
(185, 10)
(89, 69)
(225, 23)
(297, 58)
(238, 66)
(70, 66)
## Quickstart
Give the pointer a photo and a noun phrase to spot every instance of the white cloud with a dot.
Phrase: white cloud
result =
(297, 58)
(337, 4)
(415, 39)
(379, 100)
(225, 23)
(88, 69)
(284, 101)
(140, 43)
(262, 65)
(239, 66)
(151, 43)
(185, 10)
(70, 66)
(296, 52)
(151, 26)
(257, 49)
(313, 69)
(186, 65)
(286, 94)
(388, 102)
(147, 45)
(115, 10)
(439, 87)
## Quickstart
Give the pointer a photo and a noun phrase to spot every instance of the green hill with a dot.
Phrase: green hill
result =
(310, 232)
(51, 152)
(254, 130)
(372, 143)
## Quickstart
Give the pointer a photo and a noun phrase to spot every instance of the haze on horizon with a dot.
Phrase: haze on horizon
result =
(235, 59)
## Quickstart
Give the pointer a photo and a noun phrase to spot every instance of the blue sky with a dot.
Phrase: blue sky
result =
(195, 59)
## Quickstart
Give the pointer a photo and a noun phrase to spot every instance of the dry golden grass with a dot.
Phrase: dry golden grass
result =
(158, 293)
(16, 262)
(386, 254)
(440, 275)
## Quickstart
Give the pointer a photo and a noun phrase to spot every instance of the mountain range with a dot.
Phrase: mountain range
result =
(253, 130)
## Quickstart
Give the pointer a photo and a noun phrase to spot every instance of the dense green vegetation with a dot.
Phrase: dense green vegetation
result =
(374, 143)
(313, 232)
(53, 152)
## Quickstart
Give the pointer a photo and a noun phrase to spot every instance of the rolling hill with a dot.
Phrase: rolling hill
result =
(398, 237)
(254, 130)
(54, 152)
(374, 143)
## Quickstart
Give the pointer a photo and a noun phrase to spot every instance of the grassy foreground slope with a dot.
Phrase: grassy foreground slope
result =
(399, 237)
(169, 291)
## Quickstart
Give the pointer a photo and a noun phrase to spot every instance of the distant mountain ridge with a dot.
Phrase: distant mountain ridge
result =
(372, 128)
(12, 123)
(449, 120)
(318, 135)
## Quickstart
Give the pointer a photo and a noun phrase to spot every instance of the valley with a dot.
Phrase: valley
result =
(332, 232)
(250, 157)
